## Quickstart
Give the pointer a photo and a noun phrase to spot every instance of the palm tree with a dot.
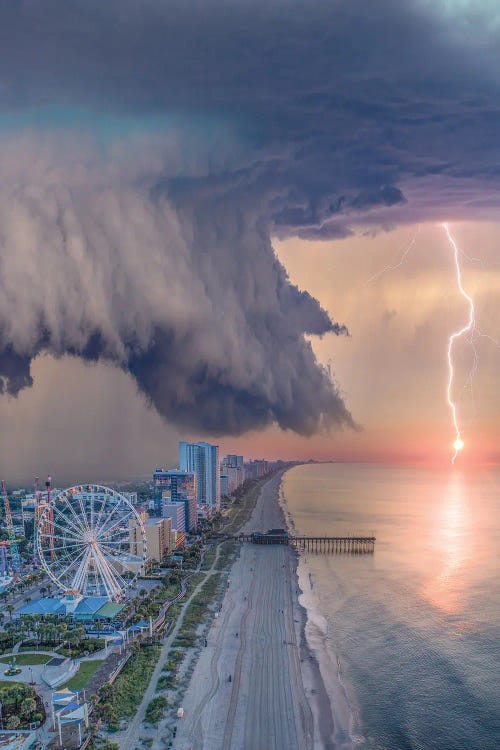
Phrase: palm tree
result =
(21, 631)
(10, 609)
(46, 632)
(74, 636)
(62, 631)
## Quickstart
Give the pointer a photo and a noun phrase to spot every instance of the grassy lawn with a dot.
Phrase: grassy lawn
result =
(87, 669)
(23, 660)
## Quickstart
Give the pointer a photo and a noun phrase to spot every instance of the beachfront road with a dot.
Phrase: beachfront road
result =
(255, 641)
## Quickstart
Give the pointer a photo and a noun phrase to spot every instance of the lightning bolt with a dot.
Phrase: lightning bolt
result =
(405, 254)
(469, 327)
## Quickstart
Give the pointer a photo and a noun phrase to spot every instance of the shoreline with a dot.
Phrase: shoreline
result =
(314, 684)
(277, 697)
(332, 712)
(316, 585)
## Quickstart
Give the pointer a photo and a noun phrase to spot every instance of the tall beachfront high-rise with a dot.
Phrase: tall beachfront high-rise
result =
(202, 459)
(174, 485)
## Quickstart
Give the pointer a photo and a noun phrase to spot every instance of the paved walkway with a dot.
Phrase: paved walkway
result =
(129, 739)
(30, 674)
(16, 651)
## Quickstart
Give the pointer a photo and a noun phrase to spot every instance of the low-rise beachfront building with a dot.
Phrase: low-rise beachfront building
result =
(84, 609)
(158, 538)
(273, 536)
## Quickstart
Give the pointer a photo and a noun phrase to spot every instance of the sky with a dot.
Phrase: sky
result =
(196, 199)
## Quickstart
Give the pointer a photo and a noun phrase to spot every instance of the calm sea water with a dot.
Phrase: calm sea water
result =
(415, 628)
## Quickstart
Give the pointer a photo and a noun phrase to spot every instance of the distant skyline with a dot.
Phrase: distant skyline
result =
(193, 198)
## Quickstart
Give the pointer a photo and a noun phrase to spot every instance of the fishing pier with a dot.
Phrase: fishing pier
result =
(330, 545)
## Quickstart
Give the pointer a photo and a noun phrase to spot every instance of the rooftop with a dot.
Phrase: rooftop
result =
(89, 606)
(43, 606)
(110, 610)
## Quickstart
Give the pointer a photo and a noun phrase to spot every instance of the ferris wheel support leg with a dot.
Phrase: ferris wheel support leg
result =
(81, 573)
(109, 580)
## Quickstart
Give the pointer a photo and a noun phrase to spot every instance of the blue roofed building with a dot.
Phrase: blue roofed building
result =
(88, 607)
(43, 607)
(84, 609)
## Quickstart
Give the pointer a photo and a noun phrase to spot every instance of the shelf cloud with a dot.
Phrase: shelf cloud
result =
(149, 153)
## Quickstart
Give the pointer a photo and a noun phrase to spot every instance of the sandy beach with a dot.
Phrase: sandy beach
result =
(256, 684)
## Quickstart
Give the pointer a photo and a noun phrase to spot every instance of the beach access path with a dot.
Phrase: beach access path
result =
(256, 641)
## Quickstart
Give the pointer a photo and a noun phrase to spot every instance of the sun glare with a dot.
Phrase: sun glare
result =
(458, 444)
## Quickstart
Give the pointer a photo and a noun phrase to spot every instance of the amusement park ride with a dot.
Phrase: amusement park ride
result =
(11, 543)
(81, 540)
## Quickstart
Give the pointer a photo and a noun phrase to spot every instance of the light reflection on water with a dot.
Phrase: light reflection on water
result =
(416, 626)
(449, 523)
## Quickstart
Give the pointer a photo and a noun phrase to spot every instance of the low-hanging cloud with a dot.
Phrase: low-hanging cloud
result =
(149, 152)
(185, 295)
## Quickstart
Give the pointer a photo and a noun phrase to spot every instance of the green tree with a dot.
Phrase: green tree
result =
(75, 636)
(107, 712)
(15, 694)
(28, 707)
(62, 631)
(13, 722)
(10, 609)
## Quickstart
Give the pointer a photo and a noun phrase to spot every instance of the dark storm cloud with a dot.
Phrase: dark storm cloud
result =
(208, 127)
(14, 371)
(183, 290)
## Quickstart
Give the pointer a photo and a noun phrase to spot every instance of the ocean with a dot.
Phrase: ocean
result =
(408, 639)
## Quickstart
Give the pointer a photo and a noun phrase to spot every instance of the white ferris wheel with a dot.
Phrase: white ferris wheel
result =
(83, 539)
